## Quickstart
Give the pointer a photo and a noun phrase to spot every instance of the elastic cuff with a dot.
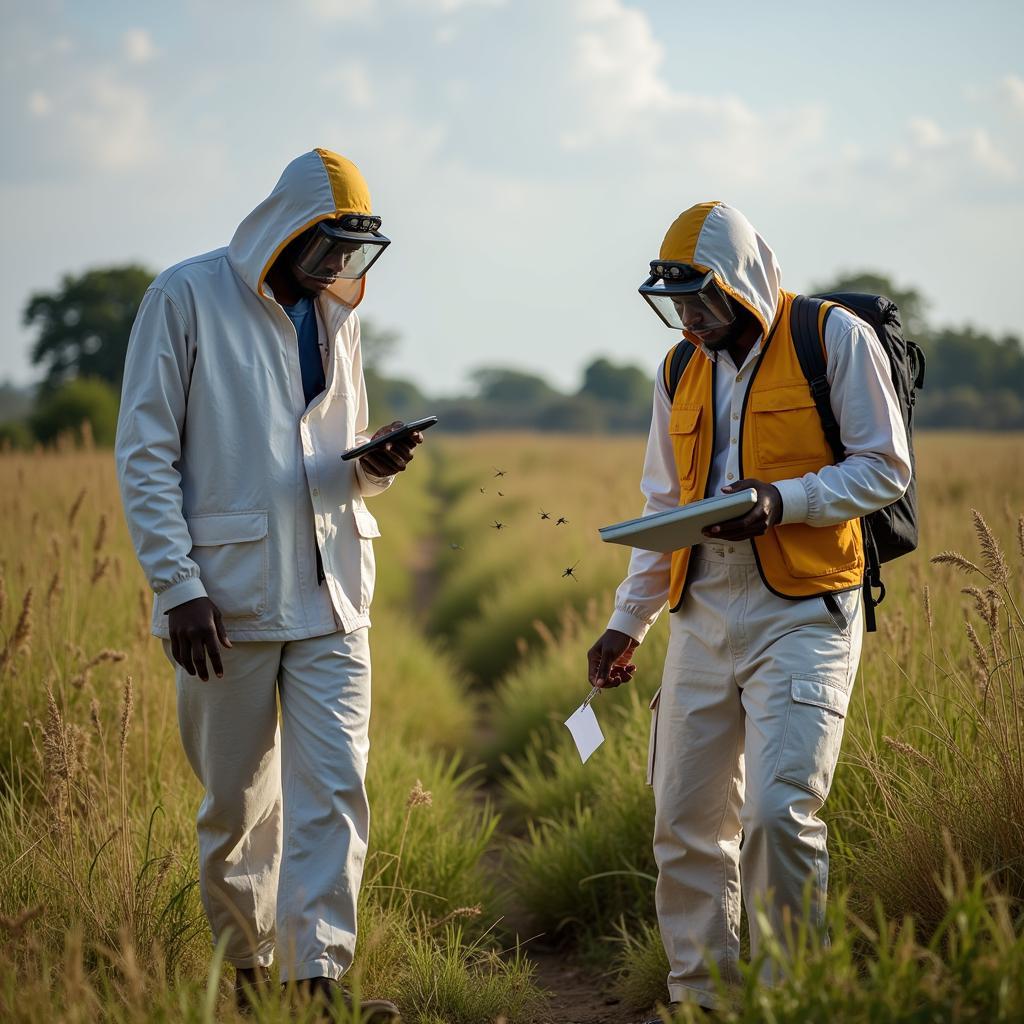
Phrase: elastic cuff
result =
(794, 500)
(324, 967)
(369, 485)
(243, 962)
(630, 624)
(178, 593)
(691, 994)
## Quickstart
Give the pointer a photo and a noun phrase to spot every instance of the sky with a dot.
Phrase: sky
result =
(526, 156)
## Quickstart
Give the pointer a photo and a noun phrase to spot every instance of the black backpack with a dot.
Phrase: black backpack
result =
(892, 530)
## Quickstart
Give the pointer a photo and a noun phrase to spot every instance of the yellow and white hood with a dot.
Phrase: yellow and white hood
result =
(718, 238)
(319, 185)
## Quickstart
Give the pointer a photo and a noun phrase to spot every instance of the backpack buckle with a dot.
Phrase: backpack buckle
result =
(819, 388)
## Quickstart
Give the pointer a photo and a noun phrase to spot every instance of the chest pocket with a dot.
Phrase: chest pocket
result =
(683, 425)
(787, 428)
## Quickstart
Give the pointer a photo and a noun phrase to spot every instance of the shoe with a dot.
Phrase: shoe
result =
(673, 1009)
(250, 984)
(327, 990)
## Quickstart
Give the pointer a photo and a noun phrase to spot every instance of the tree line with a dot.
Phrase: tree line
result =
(974, 379)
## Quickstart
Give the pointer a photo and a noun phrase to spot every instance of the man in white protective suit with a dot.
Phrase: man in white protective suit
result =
(243, 386)
(766, 625)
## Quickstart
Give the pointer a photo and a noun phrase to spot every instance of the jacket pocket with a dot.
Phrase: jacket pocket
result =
(682, 427)
(813, 551)
(367, 529)
(813, 733)
(652, 745)
(787, 428)
(231, 551)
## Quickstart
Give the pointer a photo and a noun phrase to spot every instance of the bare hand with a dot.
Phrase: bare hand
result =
(767, 511)
(197, 628)
(608, 663)
(395, 455)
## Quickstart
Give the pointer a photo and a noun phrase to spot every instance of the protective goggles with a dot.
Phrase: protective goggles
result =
(342, 248)
(687, 299)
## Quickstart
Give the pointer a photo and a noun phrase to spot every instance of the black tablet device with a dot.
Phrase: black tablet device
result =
(379, 442)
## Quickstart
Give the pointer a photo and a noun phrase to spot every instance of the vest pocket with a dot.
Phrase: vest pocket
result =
(813, 733)
(682, 427)
(230, 549)
(787, 428)
(810, 552)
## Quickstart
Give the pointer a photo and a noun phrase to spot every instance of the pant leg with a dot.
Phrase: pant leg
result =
(325, 714)
(796, 689)
(698, 785)
(229, 731)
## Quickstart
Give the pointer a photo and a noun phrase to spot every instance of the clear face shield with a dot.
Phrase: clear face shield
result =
(687, 299)
(343, 248)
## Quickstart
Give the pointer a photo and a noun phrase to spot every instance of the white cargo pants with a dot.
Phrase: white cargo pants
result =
(284, 822)
(745, 737)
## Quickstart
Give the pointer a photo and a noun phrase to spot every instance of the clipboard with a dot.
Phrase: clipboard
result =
(682, 527)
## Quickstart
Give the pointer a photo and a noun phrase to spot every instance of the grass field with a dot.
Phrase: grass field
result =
(479, 653)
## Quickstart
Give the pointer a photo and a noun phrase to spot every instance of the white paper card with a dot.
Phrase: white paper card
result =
(583, 725)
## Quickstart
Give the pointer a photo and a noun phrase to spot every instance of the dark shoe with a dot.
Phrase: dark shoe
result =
(673, 1008)
(327, 990)
(250, 984)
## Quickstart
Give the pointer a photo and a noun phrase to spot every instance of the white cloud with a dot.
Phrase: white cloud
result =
(926, 133)
(1011, 88)
(353, 81)
(339, 10)
(39, 104)
(109, 123)
(988, 156)
(137, 46)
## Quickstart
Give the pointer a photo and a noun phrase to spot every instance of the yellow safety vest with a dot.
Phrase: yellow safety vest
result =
(780, 437)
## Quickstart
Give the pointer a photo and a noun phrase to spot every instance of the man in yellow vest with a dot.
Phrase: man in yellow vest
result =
(766, 632)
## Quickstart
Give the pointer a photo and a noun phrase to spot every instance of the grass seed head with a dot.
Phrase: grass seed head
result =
(419, 797)
(958, 561)
(75, 507)
(992, 553)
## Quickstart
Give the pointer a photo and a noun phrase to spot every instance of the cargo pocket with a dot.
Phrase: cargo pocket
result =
(652, 745)
(367, 529)
(230, 549)
(682, 428)
(813, 733)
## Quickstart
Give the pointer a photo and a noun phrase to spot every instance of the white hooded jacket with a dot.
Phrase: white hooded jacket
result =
(229, 481)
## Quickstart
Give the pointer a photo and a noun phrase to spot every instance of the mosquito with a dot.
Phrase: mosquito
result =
(498, 526)
(499, 472)
(561, 520)
(571, 572)
(483, 490)
(501, 494)
(545, 515)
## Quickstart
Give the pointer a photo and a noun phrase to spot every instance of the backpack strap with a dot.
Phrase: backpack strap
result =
(807, 324)
(675, 366)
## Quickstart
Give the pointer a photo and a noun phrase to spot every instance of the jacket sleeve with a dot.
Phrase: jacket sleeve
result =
(368, 484)
(876, 470)
(644, 591)
(154, 396)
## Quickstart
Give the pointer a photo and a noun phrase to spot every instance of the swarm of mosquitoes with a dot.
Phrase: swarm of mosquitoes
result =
(570, 571)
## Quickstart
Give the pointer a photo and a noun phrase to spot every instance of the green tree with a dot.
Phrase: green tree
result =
(609, 382)
(377, 344)
(83, 326)
(514, 387)
(65, 408)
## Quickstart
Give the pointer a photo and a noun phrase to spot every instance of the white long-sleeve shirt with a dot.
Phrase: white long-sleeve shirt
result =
(875, 472)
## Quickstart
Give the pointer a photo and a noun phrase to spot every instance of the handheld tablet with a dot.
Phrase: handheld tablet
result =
(379, 442)
(682, 527)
